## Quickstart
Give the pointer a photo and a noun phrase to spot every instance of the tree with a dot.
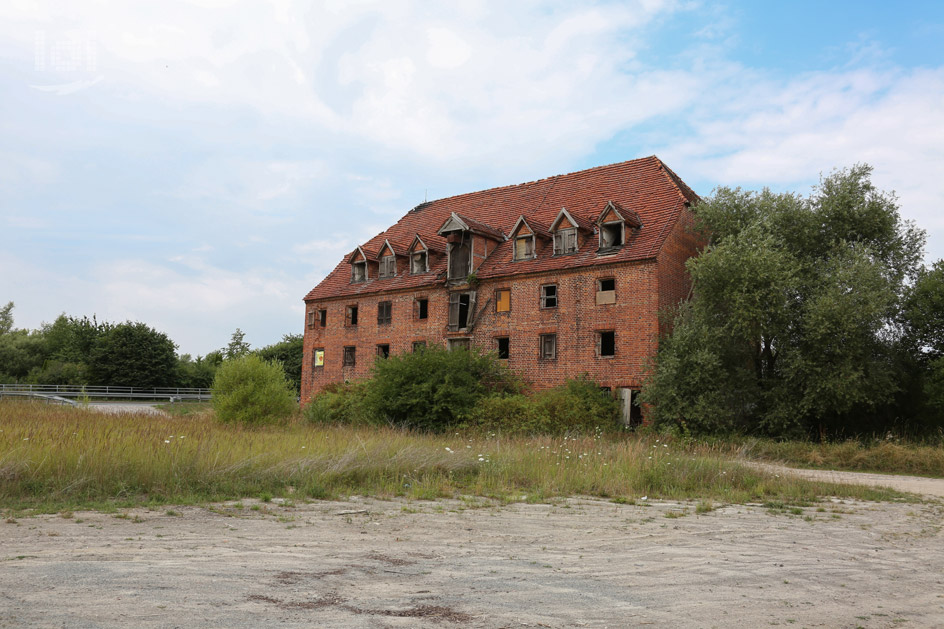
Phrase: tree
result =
(6, 318)
(237, 346)
(135, 355)
(793, 323)
(250, 390)
(923, 319)
(288, 353)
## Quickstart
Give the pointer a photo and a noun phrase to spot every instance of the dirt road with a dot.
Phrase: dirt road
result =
(578, 563)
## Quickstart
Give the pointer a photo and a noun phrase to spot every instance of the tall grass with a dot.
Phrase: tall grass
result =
(59, 457)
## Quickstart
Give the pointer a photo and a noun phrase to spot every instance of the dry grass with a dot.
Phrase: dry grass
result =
(55, 458)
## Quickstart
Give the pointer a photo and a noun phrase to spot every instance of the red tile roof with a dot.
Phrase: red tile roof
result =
(645, 186)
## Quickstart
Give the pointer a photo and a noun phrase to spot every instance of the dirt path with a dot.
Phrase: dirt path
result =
(578, 563)
(914, 484)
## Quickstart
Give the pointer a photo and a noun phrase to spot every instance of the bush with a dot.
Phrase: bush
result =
(577, 406)
(249, 390)
(434, 389)
(339, 404)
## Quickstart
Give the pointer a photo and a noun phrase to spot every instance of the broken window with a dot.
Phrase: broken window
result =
(549, 296)
(383, 351)
(548, 346)
(524, 248)
(503, 346)
(350, 315)
(606, 291)
(459, 310)
(611, 235)
(383, 312)
(349, 356)
(359, 271)
(322, 318)
(419, 346)
(317, 358)
(458, 344)
(606, 343)
(460, 258)
(422, 308)
(388, 266)
(503, 300)
(311, 319)
(565, 241)
(418, 263)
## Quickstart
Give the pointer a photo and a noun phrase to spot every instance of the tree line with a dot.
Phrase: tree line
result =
(85, 351)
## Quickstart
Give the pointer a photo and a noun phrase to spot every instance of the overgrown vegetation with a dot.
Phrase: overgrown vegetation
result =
(54, 458)
(251, 391)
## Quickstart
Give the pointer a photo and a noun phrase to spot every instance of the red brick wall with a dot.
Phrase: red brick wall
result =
(680, 245)
(575, 320)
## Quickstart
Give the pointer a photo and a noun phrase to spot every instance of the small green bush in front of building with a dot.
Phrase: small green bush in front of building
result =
(339, 404)
(250, 390)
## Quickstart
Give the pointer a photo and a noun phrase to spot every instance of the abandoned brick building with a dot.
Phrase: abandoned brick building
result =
(560, 277)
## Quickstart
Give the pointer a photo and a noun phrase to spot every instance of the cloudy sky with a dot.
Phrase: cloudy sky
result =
(200, 166)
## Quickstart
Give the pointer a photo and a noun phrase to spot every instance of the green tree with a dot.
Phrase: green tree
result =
(250, 390)
(6, 318)
(792, 326)
(237, 346)
(197, 372)
(135, 355)
(288, 353)
(923, 319)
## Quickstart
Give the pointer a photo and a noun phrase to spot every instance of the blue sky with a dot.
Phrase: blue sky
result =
(200, 166)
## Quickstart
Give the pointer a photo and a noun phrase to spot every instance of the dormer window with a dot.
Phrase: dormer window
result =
(388, 266)
(524, 247)
(419, 262)
(565, 241)
(611, 235)
(359, 271)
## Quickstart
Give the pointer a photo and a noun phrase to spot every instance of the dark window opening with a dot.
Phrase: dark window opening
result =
(388, 266)
(383, 351)
(422, 308)
(459, 310)
(349, 356)
(606, 343)
(418, 263)
(460, 257)
(606, 291)
(565, 241)
(322, 318)
(608, 284)
(503, 346)
(549, 296)
(548, 346)
(384, 309)
(350, 315)
(359, 272)
(419, 346)
(611, 235)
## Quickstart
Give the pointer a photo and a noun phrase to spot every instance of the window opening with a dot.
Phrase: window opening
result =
(459, 310)
(317, 358)
(565, 241)
(548, 346)
(606, 291)
(388, 266)
(458, 344)
(549, 296)
(349, 356)
(422, 308)
(418, 263)
(524, 248)
(503, 300)
(419, 346)
(322, 318)
(359, 272)
(311, 319)
(350, 315)
(606, 343)
(460, 257)
(611, 235)
(383, 351)
(503, 346)
(384, 309)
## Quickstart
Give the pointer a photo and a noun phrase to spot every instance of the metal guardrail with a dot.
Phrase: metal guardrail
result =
(117, 393)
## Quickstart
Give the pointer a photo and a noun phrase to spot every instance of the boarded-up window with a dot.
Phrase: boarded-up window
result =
(549, 296)
(350, 315)
(349, 356)
(503, 300)
(459, 257)
(311, 319)
(606, 291)
(565, 241)
(384, 309)
(459, 344)
(548, 346)
(503, 345)
(388, 266)
(606, 343)
(524, 248)
(317, 358)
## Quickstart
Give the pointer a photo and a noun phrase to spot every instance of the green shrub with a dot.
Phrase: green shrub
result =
(249, 390)
(339, 404)
(434, 389)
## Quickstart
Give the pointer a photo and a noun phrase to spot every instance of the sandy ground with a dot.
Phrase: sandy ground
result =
(146, 408)
(576, 563)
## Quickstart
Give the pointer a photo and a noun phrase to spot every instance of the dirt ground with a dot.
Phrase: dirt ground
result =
(576, 563)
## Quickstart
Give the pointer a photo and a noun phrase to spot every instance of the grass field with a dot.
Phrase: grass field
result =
(54, 458)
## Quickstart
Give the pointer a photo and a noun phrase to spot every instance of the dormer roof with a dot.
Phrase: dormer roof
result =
(627, 216)
(578, 222)
(535, 227)
(457, 222)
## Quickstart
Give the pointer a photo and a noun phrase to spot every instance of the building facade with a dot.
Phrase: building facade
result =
(560, 277)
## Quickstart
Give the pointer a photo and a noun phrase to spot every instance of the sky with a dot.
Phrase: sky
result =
(201, 166)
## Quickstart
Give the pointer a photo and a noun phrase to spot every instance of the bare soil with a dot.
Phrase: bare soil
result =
(469, 563)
